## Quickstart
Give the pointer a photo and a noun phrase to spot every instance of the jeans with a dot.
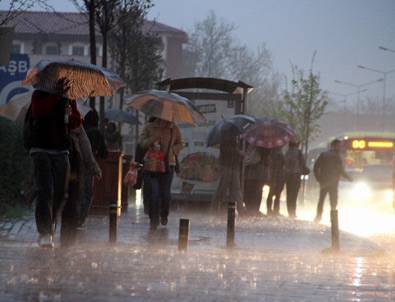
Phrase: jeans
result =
(332, 190)
(275, 191)
(50, 174)
(159, 195)
(253, 195)
(293, 185)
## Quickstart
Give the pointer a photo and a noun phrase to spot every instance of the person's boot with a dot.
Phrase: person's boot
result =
(45, 241)
(163, 220)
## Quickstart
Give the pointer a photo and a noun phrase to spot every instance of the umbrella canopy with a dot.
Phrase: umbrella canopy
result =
(167, 106)
(268, 133)
(83, 79)
(240, 123)
(121, 116)
(16, 108)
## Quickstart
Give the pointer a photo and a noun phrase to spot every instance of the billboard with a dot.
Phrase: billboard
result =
(11, 76)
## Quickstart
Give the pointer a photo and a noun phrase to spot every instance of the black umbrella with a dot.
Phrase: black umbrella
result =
(121, 116)
(231, 126)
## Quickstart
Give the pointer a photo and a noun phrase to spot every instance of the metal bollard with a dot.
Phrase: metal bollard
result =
(230, 235)
(183, 235)
(113, 222)
(335, 230)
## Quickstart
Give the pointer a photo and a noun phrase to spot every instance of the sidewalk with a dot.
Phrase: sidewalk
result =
(275, 260)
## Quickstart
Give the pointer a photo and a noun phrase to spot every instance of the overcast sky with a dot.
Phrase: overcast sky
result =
(345, 33)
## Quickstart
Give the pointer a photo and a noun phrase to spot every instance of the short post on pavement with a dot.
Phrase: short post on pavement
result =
(183, 234)
(335, 230)
(230, 234)
(113, 222)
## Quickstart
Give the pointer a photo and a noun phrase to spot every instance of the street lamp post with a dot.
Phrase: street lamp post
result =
(384, 73)
(358, 92)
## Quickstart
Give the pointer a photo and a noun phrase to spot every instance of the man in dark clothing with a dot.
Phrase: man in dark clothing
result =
(47, 139)
(99, 150)
(277, 181)
(295, 167)
(257, 174)
(327, 170)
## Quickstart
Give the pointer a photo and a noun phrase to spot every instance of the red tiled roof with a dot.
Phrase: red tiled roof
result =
(69, 23)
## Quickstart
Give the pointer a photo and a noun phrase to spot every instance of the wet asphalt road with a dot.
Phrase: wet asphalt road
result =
(275, 260)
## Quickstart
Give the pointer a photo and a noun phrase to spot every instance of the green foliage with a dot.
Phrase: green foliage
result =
(15, 164)
(304, 104)
(135, 50)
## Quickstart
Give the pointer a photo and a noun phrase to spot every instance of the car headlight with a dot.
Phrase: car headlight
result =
(361, 191)
(389, 196)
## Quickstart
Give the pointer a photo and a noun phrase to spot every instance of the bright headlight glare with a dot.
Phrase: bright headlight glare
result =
(389, 196)
(361, 190)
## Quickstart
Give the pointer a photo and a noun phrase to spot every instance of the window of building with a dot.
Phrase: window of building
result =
(52, 49)
(77, 50)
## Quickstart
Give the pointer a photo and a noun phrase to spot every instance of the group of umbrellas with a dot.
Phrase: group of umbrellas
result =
(76, 80)
(262, 132)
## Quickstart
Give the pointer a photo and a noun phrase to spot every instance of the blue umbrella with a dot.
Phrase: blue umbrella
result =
(231, 126)
(118, 115)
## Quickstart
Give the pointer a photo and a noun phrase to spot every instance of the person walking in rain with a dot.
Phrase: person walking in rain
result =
(328, 169)
(277, 181)
(162, 139)
(230, 159)
(46, 137)
(257, 174)
(295, 167)
(99, 150)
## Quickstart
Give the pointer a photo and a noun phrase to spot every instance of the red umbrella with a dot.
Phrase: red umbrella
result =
(268, 133)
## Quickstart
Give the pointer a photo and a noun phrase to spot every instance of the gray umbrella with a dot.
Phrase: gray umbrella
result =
(118, 115)
(233, 126)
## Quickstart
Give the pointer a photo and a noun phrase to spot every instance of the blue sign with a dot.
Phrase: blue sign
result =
(11, 77)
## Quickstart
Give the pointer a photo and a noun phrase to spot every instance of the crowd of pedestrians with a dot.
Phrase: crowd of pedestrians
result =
(65, 148)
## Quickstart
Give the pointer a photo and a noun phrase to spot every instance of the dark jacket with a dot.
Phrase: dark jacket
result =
(328, 169)
(276, 164)
(44, 125)
(294, 162)
(96, 138)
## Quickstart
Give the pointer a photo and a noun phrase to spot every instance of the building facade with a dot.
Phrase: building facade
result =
(62, 35)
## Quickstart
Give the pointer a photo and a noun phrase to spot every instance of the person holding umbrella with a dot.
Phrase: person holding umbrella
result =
(230, 159)
(47, 130)
(46, 137)
(162, 138)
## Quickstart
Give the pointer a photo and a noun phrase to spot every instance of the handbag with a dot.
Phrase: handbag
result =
(130, 178)
(155, 161)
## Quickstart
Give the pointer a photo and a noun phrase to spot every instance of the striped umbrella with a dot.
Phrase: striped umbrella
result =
(82, 79)
(268, 133)
(167, 106)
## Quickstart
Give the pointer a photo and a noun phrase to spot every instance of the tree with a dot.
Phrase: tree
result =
(16, 7)
(89, 8)
(135, 51)
(213, 51)
(304, 104)
(211, 46)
